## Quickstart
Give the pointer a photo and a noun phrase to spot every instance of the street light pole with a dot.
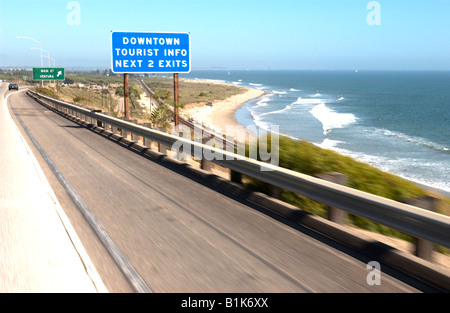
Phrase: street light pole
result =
(40, 44)
(48, 54)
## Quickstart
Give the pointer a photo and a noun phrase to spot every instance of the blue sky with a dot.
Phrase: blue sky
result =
(237, 34)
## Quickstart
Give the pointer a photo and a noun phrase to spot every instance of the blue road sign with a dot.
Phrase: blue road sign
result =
(150, 52)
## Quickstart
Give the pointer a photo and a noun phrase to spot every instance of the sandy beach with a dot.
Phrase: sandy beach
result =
(219, 114)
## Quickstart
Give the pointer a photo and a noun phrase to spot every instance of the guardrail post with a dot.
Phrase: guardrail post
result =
(334, 214)
(204, 163)
(162, 148)
(147, 142)
(133, 135)
(123, 132)
(236, 177)
(424, 248)
(96, 122)
(274, 191)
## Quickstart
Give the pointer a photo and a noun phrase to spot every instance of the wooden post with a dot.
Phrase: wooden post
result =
(334, 214)
(126, 96)
(424, 248)
(175, 95)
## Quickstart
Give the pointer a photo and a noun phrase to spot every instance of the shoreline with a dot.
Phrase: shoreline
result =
(219, 114)
(223, 112)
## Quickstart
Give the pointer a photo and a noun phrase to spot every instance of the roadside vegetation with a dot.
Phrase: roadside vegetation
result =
(15, 76)
(48, 92)
(190, 92)
(307, 158)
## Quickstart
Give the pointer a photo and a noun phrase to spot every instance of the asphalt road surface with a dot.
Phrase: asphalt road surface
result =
(179, 234)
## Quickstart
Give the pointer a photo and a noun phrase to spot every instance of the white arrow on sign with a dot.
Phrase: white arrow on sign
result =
(59, 73)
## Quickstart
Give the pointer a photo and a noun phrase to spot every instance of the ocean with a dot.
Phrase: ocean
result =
(397, 121)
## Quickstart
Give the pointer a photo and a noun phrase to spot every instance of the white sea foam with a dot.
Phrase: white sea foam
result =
(293, 89)
(286, 108)
(341, 98)
(316, 95)
(403, 167)
(328, 144)
(279, 92)
(256, 85)
(414, 140)
(300, 100)
(258, 120)
(331, 119)
(210, 80)
(263, 101)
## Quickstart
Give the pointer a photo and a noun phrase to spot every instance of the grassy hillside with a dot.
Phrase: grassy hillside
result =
(191, 92)
(309, 159)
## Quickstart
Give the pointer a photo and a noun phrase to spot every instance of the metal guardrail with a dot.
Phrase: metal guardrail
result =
(406, 218)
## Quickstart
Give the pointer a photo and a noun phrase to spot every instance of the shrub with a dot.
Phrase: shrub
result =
(79, 99)
(48, 92)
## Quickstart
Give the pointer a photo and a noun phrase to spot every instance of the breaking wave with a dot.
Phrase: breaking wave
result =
(331, 119)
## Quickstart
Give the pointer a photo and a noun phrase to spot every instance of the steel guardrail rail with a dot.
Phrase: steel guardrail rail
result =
(406, 218)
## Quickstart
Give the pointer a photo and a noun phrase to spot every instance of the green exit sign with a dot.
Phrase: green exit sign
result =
(48, 73)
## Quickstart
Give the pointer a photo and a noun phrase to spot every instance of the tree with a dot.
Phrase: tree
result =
(160, 117)
(133, 91)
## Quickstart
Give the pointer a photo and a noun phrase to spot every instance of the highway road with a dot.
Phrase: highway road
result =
(179, 234)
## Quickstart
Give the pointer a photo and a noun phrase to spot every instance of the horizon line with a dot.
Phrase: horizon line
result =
(235, 69)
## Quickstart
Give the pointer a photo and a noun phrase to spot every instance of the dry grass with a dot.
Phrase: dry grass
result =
(191, 92)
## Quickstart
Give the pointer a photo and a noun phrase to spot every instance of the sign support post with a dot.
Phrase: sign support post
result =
(126, 96)
(175, 95)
